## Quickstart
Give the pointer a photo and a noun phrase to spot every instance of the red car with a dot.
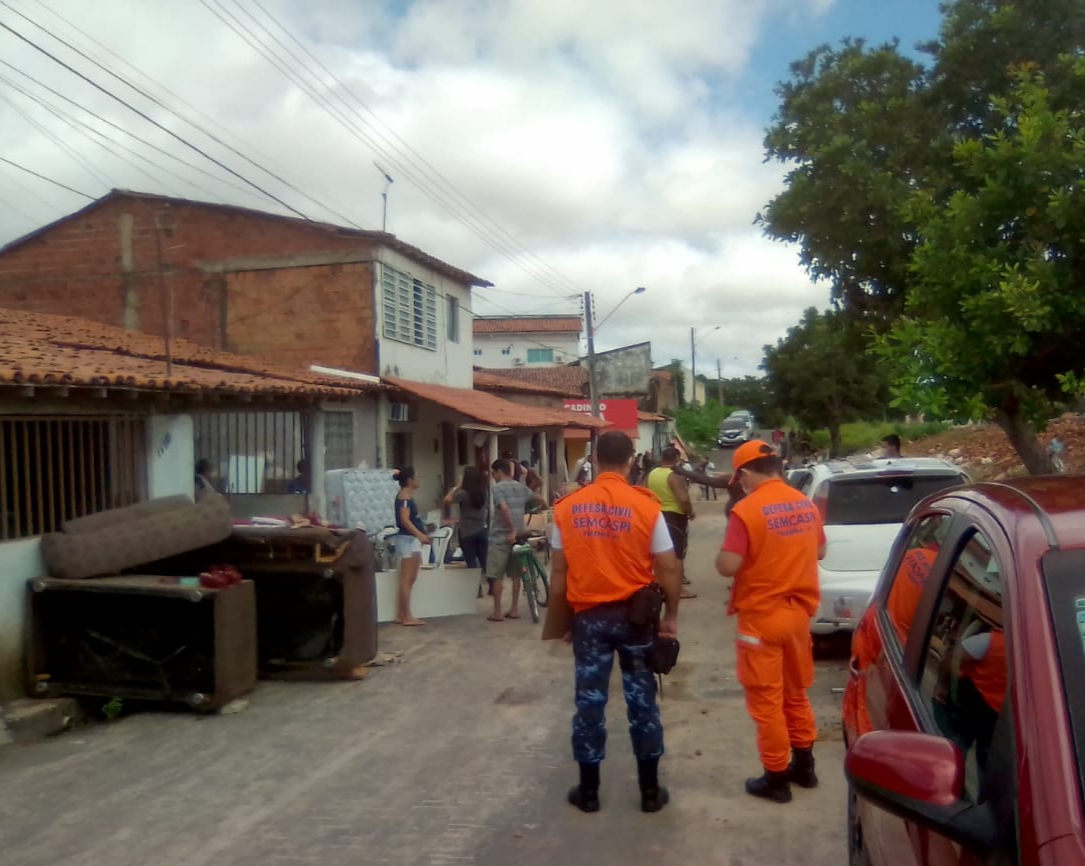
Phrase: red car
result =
(964, 712)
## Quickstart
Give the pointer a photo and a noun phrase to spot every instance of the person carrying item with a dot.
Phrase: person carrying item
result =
(614, 562)
(773, 543)
(409, 542)
(511, 500)
(473, 526)
(666, 481)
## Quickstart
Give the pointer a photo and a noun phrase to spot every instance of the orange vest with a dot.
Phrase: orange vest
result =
(784, 528)
(988, 674)
(606, 534)
(915, 568)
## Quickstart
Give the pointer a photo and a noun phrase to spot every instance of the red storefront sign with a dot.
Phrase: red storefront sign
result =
(622, 414)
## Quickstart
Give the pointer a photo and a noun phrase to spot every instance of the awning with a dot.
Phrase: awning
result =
(490, 409)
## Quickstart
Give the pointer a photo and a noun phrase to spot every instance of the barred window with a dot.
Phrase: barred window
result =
(410, 309)
(58, 468)
(338, 440)
(252, 452)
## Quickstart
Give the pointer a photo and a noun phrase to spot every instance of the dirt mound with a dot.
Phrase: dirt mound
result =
(986, 453)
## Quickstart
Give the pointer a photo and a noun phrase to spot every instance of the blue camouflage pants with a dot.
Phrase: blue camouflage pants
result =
(599, 633)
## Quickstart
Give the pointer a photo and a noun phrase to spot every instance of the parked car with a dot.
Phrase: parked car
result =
(734, 431)
(964, 714)
(863, 505)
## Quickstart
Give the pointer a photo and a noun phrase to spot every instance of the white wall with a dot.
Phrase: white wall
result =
(19, 561)
(171, 456)
(566, 349)
(451, 363)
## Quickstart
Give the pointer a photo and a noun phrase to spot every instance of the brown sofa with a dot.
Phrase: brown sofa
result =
(109, 542)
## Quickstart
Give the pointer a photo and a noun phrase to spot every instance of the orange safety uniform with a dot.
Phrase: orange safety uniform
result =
(866, 646)
(606, 531)
(988, 674)
(775, 594)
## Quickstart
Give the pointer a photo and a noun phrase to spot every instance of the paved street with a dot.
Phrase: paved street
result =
(457, 755)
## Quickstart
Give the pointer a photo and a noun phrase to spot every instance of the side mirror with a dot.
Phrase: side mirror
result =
(920, 778)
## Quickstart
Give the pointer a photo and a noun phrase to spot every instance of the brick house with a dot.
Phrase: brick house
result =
(293, 291)
(90, 419)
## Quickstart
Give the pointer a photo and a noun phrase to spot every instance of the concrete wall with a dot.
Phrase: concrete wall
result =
(19, 561)
(450, 364)
(171, 456)
(489, 349)
(625, 371)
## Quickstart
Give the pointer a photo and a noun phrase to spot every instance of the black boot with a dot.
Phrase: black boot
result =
(771, 786)
(585, 796)
(653, 796)
(801, 769)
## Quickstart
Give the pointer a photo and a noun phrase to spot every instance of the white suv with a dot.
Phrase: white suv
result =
(863, 504)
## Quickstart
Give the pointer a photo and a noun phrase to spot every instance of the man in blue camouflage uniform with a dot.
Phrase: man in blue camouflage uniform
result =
(610, 541)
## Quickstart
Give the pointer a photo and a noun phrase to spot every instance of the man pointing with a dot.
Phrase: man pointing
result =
(773, 543)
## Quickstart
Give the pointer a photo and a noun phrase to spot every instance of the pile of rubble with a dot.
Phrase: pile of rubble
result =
(986, 453)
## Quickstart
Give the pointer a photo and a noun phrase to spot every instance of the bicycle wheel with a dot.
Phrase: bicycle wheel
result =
(529, 590)
(542, 583)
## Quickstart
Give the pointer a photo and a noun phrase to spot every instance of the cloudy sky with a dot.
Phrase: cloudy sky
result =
(551, 146)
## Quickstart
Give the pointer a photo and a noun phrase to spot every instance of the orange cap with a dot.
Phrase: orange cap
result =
(748, 452)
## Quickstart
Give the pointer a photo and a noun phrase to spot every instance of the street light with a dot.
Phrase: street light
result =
(639, 290)
(693, 361)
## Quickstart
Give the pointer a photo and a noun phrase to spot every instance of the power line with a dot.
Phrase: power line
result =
(4, 159)
(153, 83)
(434, 173)
(197, 168)
(133, 108)
(337, 113)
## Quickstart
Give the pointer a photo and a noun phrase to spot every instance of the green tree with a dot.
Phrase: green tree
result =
(992, 325)
(756, 394)
(821, 374)
(856, 135)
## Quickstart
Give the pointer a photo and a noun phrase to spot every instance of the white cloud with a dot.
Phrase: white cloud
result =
(597, 134)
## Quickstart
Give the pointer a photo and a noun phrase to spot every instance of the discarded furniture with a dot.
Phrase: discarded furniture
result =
(142, 637)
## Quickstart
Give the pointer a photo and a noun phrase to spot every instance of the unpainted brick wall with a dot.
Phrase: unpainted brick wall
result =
(102, 265)
(302, 316)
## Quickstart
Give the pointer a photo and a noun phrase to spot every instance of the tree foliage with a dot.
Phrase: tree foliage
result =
(942, 193)
(993, 322)
(821, 375)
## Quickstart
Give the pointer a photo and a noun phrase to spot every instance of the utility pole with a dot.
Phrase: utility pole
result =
(590, 326)
(719, 381)
(693, 368)
(162, 223)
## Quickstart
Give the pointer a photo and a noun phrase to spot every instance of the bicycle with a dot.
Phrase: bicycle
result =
(535, 579)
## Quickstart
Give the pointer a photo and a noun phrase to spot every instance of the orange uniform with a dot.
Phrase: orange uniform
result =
(777, 531)
(606, 529)
(988, 674)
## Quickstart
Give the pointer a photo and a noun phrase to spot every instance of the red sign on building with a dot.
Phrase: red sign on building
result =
(622, 414)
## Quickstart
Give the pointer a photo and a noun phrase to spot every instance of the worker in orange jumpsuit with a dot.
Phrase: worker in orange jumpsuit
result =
(773, 543)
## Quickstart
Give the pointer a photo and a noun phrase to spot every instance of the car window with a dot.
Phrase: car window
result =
(800, 479)
(882, 498)
(922, 549)
(964, 677)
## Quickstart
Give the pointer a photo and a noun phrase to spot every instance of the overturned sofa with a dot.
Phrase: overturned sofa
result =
(96, 630)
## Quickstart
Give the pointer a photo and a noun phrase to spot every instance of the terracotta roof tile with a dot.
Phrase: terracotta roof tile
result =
(42, 349)
(490, 381)
(491, 409)
(527, 324)
(571, 381)
(651, 416)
